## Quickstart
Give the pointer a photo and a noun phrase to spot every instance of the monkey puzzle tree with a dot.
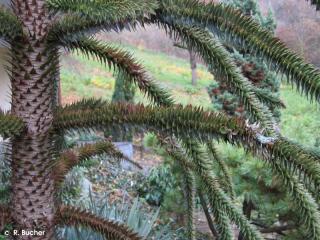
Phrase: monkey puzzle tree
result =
(252, 67)
(254, 183)
(35, 30)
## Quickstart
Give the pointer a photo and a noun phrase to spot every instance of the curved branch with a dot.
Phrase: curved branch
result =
(104, 11)
(69, 159)
(188, 122)
(305, 204)
(188, 179)
(204, 206)
(10, 125)
(221, 217)
(189, 184)
(70, 216)
(215, 194)
(268, 98)
(193, 123)
(219, 62)
(183, 121)
(232, 26)
(222, 165)
(85, 16)
(298, 158)
(123, 61)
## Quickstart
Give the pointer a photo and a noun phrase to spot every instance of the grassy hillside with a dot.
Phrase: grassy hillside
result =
(83, 78)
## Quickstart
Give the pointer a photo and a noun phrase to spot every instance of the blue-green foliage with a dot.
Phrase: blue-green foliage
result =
(252, 67)
(253, 180)
(132, 215)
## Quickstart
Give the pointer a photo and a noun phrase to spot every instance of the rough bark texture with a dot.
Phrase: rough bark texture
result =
(32, 202)
(193, 65)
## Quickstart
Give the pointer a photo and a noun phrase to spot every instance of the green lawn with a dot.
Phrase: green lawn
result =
(84, 78)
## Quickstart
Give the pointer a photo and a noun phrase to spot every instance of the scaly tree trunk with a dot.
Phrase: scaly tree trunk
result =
(32, 100)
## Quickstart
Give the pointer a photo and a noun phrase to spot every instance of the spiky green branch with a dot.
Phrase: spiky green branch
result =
(189, 181)
(182, 121)
(212, 151)
(176, 152)
(10, 125)
(10, 27)
(282, 155)
(219, 61)
(232, 26)
(122, 61)
(188, 122)
(309, 214)
(205, 208)
(71, 158)
(72, 27)
(70, 216)
(298, 159)
(219, 201)
(104, 11)
(268, 98)
(84, 16)
(189, 190)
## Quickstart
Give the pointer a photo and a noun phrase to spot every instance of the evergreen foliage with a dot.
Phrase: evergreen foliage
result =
(256, 185)
(10, 125)
(124, 91)
(252, 67)
(37, 29)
